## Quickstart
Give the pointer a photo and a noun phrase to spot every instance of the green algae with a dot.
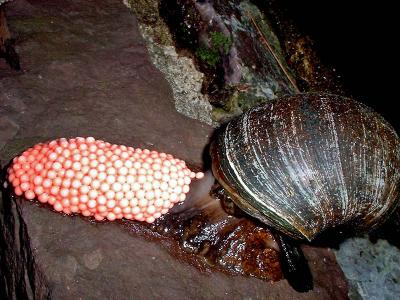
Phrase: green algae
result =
(208, 55)
(220, 41)
(219, 45)
(238, 103)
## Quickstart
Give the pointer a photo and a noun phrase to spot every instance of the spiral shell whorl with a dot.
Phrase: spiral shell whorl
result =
(310, 162)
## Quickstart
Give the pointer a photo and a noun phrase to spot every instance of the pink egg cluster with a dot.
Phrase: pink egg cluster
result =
(96, 178)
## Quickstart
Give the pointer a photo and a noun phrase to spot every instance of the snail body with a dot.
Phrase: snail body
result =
(310, 162)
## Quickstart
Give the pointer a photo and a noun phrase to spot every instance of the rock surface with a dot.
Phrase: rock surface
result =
(86, 72)
(233, 59)
(373, 270)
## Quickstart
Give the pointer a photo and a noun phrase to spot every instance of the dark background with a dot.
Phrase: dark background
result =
(358, 38)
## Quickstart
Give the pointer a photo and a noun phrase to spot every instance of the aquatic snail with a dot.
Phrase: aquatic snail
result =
(303, 165)
(311, 162)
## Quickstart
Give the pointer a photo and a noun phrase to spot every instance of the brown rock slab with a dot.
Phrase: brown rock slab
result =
(86, 72)
(8, 129)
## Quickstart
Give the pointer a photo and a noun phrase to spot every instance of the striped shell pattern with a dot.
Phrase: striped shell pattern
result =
(310, 162)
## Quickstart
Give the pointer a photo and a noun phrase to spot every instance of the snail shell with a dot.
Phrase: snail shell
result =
(310, 162)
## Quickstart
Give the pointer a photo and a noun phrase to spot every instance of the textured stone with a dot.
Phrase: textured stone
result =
(8, 129)
(69, 257)
(186, 82)
(373, 270)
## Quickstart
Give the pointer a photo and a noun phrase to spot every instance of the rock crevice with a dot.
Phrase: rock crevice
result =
(20, 278)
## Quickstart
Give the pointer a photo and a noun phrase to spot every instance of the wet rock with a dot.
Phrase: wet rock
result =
(8, 129)
(220, 242)
(19, 277)
(372, 269)
(180, 71)
(311, 73)
(48, 254)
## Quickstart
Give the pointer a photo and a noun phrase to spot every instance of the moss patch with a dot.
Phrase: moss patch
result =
(238, 103)
(147, 13)
(219, 44)
(208, 55)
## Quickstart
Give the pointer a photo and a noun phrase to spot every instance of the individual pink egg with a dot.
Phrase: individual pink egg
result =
(126, 187)
(38, 190)
(65, 203)
(117, 211)
(23, 178)
(83, 199)
(128, 216)
(124, 203)
(66, 183)
(69, 173)
(101, 167)
(25, 186)
(116, 186)
(110, 179)
(84, 189)
(42, 197)
(110, 203)
(110, 194)
(51, 200)
(102, 208)
(58, 206)
(133, 203)
(74, 209)
(119, 196)
(111, 216)
(87, 213)
(150, 219)
(57, 181)
(29, 194)
(101, 176)
(95, 184)
(64, 192)
(92, 203)
(142, 202)
(82, 206)
(74, 200)
(87, 180)
(136, 186)
(76, 183)
(104, 187)
(93, 194)
(149, 195)
(98, 217)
